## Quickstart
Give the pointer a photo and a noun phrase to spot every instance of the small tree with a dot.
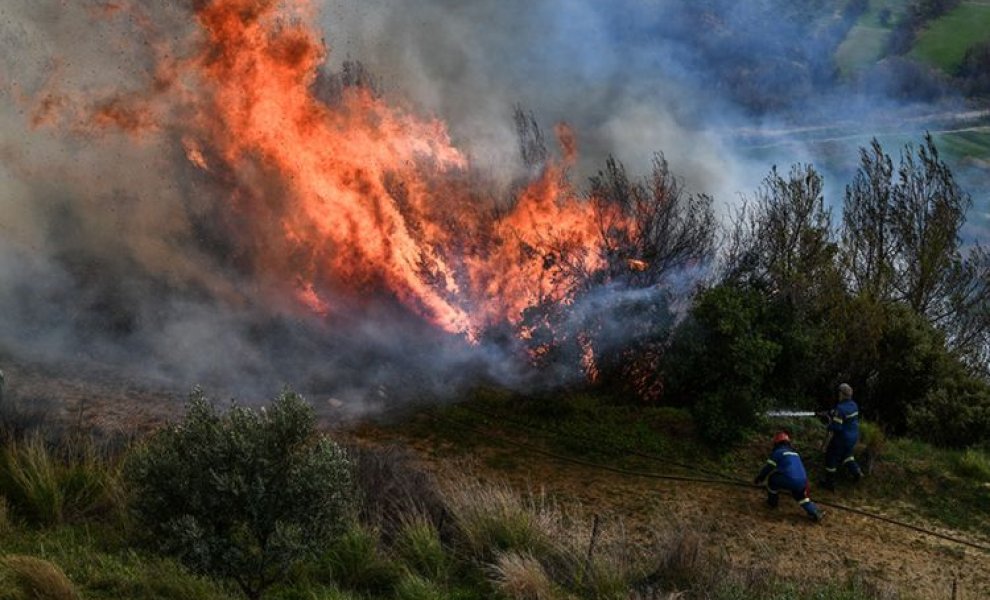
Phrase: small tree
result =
(243, 494)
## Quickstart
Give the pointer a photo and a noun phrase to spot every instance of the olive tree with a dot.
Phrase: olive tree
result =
(243, 494)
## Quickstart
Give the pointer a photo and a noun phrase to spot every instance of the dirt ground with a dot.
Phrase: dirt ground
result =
(85, 395)
(733, 521)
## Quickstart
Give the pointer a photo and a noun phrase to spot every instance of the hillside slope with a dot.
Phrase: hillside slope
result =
(731, 521)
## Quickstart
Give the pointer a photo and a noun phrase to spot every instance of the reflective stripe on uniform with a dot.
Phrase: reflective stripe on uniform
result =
(805, 501)
(837, 420)
(851, 415)
(849, 459)
(771, 462)
(790, 453)
(830, 469)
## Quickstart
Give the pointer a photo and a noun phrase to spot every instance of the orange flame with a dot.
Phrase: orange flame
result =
(370, 195)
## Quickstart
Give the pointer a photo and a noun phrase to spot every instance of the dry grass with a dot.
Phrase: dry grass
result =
(520, 576)
(492, 519)
(5, 523)
(682, 553)
(532, 547)
(38, 579)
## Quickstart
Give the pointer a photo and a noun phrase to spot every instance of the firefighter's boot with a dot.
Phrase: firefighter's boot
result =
(854, 471)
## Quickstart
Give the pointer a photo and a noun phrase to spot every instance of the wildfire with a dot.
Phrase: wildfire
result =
(367, 196)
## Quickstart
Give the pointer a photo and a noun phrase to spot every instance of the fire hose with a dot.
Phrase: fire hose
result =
(724, 479)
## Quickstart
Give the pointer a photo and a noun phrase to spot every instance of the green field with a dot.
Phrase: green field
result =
(944, 42)
(864, 45)
(973, 144)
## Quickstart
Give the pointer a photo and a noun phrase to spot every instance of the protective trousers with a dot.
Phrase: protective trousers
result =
(840, 453)
(777, 483)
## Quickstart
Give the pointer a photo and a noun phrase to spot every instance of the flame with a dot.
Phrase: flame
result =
(635, 264)
(369, 196)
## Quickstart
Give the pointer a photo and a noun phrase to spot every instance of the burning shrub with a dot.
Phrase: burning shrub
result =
(614, 317)
(244, 494)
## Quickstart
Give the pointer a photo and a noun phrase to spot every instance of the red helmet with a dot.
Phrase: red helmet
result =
(780, 437)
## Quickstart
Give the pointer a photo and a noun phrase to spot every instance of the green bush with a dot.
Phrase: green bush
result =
(956, 414)
(721, 360)
(243, 494)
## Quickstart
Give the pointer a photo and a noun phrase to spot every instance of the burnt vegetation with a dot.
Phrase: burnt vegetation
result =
(783, 303)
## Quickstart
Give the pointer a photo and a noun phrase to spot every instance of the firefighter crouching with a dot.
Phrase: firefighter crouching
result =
(843, 427)
(785, 472)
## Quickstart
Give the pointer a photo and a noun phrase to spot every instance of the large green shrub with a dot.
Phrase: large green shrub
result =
(244, 494)
(721, 359)
(954, 415)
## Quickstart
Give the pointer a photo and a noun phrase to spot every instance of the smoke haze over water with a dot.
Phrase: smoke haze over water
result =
(108, 239)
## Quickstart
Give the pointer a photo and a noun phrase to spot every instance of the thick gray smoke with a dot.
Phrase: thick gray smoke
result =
(108, 251)
(471, 62)
(724, 88)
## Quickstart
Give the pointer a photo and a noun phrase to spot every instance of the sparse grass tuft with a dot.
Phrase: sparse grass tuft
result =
(355, 563)
(414, 587)
(38, 579)
(492, 519)
(392, 488)
(47, 487)
(419, 547)
(973, 464)
(874, 441)
(520, 576)
(680, 559)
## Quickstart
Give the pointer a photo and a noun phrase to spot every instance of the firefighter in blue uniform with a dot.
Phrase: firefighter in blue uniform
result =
(843, 427)
(784, 471)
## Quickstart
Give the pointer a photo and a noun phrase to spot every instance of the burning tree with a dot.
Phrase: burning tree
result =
(611, 314)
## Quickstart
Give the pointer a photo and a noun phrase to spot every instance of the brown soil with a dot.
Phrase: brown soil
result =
(732, 521)
(85, 395)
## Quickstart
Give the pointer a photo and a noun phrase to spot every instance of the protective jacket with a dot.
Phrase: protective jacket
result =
(844, 425)
(844, 422)
(785, 472)
(785, 462)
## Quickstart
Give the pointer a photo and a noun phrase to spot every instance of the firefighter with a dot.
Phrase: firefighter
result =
(784, 471)
(843, 427)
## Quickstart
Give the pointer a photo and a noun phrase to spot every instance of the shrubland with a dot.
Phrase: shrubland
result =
(377, 526)
(258, 503)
